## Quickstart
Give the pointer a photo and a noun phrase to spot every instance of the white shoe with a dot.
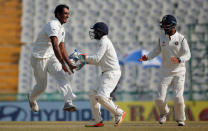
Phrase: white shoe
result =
(119, 119)
(69, 107)
(162, 118)
(181, 123)
(33, 104)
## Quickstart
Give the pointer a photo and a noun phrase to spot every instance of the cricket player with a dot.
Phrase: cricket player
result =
(175, 52)
(49, 56)
(106, 58)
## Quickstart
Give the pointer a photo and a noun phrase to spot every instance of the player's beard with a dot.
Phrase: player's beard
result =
(96, 36)
(168, 31)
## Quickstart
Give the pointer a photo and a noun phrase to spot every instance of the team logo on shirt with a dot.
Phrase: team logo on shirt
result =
(176, 43)
(163, 43)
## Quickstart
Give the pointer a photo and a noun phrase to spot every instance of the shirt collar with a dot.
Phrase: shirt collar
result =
(58, 22)
(173, 36)
(105, 36)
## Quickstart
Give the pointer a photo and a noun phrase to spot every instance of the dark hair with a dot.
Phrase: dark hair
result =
(59, 9)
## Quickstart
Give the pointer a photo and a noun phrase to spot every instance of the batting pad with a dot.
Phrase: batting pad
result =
(95, 107)
(109, 105)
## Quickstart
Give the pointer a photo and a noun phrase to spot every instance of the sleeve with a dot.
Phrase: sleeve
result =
(53, 29)
(186, 51)
(63, 36)
(155, 52)
(95, 59)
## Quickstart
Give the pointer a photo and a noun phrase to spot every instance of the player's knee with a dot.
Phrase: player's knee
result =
(41, 87)
(100, 98)
(179, 100)
(92, 93)
(159, 101)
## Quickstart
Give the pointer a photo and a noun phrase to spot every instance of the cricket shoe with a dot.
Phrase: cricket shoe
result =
(69, 107)
(94, 124)
(181, 123)
(33, 104)
(162, 118)
(119, 119)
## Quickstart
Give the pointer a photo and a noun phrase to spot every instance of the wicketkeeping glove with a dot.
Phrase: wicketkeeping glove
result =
(81, 62)
(74, 55)
(78, 58)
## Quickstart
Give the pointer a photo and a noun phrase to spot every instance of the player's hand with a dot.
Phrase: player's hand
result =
(72, 67)
(143, 58)
(65, 69)
(174, 60)
(71, 64)
(82, 61)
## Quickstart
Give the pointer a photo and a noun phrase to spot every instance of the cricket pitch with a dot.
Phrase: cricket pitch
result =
(79, 126)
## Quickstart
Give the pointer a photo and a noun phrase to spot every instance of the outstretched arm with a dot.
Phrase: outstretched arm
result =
(65, 56)
(95, 59)
(155, 52)
(58, 54)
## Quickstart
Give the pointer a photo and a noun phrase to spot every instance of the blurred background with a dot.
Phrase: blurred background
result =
(134, 30)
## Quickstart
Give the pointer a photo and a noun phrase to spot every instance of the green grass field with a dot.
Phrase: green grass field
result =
(79, 126)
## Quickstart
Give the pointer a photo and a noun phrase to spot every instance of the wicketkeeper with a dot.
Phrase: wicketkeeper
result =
(107, 59)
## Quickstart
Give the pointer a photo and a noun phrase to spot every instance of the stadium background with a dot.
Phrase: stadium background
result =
(133, 24)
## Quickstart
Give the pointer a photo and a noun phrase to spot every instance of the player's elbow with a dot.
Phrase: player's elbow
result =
(188, 56)
(96, 60)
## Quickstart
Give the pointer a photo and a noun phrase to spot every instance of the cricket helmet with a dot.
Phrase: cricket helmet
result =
(168, 22)
(100, 29)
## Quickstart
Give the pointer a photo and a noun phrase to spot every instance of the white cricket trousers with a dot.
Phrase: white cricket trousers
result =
(101, 95)
(51, 65)
(177, 82)
(108, 82)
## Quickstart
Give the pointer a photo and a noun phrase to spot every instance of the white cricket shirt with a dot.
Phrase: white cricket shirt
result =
(176, 46)
(106, 56)
(43, 46)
